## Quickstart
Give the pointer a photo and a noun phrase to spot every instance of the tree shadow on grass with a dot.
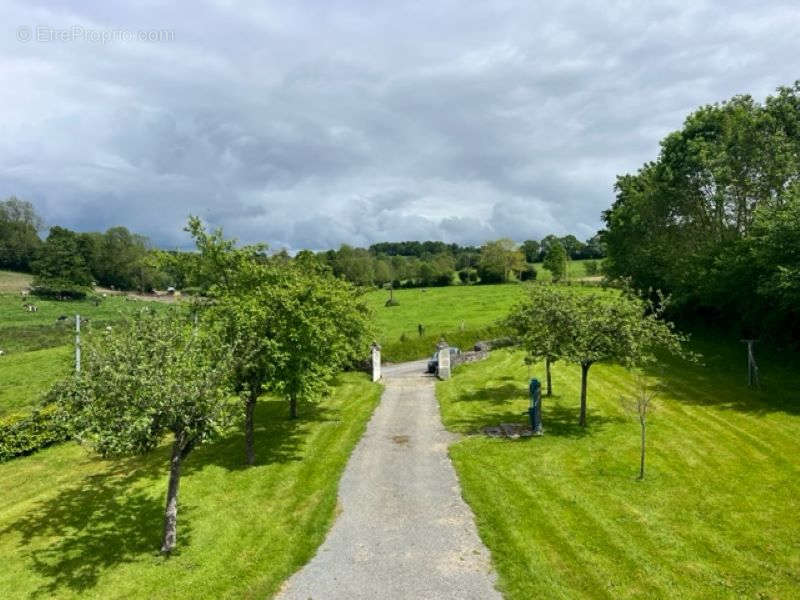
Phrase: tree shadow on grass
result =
(115, 517)
(715, 383)
(76, 535)
(509, 404)
(562, 421)
(277, 439)
(495, 394)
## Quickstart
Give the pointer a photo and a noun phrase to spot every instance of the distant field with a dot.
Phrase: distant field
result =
(563, 515)
(461, 313)
(37, 346)
(21, 330)
(576, 269)
(12, 283)
(442, 309)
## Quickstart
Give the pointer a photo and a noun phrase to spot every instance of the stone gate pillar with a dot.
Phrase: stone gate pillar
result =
(443, 371)
(376, 361)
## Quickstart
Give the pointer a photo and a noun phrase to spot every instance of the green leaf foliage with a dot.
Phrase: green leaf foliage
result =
(152, 375)
(22, 435)
(713, 220)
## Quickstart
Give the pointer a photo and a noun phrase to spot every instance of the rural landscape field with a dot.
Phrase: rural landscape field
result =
(403, 301)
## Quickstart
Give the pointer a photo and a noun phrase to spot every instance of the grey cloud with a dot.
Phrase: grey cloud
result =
(354, 122)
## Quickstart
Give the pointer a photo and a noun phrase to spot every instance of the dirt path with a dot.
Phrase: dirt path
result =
(404, 530)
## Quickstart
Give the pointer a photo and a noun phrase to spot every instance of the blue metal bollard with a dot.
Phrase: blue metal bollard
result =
(535, 410)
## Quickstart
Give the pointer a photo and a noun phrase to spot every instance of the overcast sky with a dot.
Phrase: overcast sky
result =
(306, 125)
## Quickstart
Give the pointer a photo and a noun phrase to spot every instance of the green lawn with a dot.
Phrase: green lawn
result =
(75, 526)
(564, 517)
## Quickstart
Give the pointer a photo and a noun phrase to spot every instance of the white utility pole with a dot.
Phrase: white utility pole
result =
(77, 343)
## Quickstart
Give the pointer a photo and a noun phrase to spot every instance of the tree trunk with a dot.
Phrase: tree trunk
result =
(584, 377)
(292, 406)
(641, 464)
(171, 511)
(547, 377)
(249, 410)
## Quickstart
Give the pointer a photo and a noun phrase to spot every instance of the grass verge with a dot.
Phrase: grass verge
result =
(564, 516)
(75, 526)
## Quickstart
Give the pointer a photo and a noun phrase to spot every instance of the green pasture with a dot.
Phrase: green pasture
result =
(38, 346)
(463, 314)
(26, 376)
(565, 517)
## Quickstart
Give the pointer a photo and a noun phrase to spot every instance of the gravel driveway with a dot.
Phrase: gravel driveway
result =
(404, 530)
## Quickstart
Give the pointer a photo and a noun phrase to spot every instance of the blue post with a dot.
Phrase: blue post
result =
(535, 411)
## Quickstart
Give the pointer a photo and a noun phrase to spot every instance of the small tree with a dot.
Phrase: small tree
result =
(319, 324)
(543, 323)
(151, 376)
(640, 404)
(238, 278)
(243, 321)
(555, 261)
(622, 329)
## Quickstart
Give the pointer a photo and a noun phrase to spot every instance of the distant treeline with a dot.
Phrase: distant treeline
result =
(431, 263)
(68, 263)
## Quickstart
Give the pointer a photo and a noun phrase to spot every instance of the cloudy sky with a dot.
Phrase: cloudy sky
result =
(307, 125)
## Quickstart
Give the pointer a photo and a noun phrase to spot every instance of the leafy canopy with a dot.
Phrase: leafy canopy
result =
(151, 375)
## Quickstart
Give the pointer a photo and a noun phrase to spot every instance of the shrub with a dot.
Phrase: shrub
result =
(528, 273)
(489, 275)
(463, 275)
(591, 268)
(27, 434)
(442, 279)
(59, 289)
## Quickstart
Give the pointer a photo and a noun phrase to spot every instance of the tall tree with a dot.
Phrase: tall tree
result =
(61, 268)
(152, 376)
(682, 222)
(19, 237)
(555, 261)
(499, 260)
(531, 250)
